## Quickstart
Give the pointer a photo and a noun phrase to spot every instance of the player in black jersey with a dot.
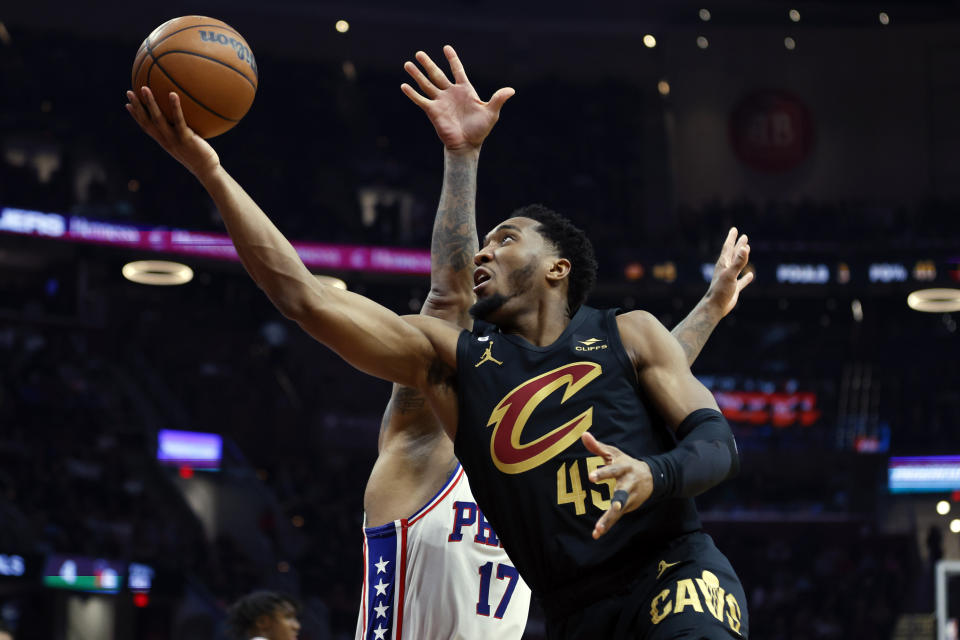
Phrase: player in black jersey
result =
(517, 396)
(538, 390)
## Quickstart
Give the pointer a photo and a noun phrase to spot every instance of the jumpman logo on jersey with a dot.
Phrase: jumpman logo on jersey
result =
(663, 566)
(488, 356)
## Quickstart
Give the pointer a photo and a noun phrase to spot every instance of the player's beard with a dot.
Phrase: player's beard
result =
(483, 307)
(520, 280)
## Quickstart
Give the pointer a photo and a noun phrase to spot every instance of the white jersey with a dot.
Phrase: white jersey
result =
(441, 573)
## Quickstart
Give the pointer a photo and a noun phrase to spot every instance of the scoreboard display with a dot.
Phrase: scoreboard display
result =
(77, 573)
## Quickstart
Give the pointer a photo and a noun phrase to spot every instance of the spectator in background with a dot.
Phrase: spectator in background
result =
(263, 615)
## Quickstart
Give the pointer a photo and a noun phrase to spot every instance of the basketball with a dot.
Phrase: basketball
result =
(207, 63)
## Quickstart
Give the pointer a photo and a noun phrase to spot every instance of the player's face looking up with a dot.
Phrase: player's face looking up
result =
(512, 263)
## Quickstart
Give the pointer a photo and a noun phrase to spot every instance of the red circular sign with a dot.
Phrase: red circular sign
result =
(771, 131)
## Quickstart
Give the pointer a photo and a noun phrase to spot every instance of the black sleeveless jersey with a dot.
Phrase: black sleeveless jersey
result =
(522, 411)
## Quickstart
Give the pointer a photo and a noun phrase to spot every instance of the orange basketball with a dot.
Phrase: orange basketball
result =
(207, 63)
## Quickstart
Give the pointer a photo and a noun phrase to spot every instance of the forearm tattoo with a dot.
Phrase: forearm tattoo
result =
(692, 333)
(454, 241)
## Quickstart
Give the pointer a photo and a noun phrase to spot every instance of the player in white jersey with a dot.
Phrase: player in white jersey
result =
(441, 573)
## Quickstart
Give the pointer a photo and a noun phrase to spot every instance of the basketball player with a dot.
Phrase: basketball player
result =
(453, 568)
(615, 365)
(263, 615)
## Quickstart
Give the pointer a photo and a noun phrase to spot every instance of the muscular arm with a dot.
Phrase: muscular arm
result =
(721, 297)
(451, 294)
(706, 453)
(662, 368)
(454, 241)
(694, 330)
(462, 122)
(370, 337)
(415, 457)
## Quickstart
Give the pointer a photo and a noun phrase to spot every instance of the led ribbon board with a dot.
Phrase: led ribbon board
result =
(206, 245)
(924, 474)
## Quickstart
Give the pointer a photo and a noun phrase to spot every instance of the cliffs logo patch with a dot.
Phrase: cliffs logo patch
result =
(508, 419)
(585, 344)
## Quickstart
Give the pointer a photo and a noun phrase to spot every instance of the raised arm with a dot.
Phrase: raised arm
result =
(367, 335)
(415, 457)
(462, 121)
(719, 300)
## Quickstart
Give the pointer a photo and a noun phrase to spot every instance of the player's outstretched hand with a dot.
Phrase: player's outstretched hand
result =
(634, 481)
(460, 117)
(176, 137)
(727, 281)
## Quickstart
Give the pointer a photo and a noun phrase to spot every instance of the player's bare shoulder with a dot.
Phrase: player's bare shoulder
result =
(443, 335)
(643, 336)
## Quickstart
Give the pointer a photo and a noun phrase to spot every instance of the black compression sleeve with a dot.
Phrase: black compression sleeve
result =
(705, 456)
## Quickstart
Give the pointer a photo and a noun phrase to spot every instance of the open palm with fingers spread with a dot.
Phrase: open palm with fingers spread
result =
(460, 117)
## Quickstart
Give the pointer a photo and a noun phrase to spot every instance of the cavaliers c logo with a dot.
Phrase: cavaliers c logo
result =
(510, 417)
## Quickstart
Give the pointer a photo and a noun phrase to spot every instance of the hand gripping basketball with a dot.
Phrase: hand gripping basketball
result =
(634, 482)
(175, 137)
(210, 66)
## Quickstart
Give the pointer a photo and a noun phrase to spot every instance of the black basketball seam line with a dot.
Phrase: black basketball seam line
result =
(146, 54)
(170, 35)
(253, 66)
(200, 55)
(185, 92)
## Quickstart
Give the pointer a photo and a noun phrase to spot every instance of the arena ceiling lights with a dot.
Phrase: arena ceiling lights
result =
(935, 300)
(157, 272)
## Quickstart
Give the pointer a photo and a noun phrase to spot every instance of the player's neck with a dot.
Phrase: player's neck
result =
(541, 324)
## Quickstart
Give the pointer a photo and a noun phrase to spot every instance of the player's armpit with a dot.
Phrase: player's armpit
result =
(408, 350)
(662, 368)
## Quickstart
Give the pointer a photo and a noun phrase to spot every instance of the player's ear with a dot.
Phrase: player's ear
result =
(559, 269)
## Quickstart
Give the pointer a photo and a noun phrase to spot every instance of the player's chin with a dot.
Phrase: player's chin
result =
(487, 304)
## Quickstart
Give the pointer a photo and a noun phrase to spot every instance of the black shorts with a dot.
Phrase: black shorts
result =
(692, 592)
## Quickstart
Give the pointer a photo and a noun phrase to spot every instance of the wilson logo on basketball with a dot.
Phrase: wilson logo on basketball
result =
(510, 416)
(243, 51)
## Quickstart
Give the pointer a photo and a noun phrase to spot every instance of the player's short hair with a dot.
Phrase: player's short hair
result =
(243, 614)
(571, 243)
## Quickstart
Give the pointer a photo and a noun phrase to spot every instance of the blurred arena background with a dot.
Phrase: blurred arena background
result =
(827, 131)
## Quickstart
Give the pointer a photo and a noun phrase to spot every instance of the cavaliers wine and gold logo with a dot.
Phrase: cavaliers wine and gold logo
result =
(510, 416)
